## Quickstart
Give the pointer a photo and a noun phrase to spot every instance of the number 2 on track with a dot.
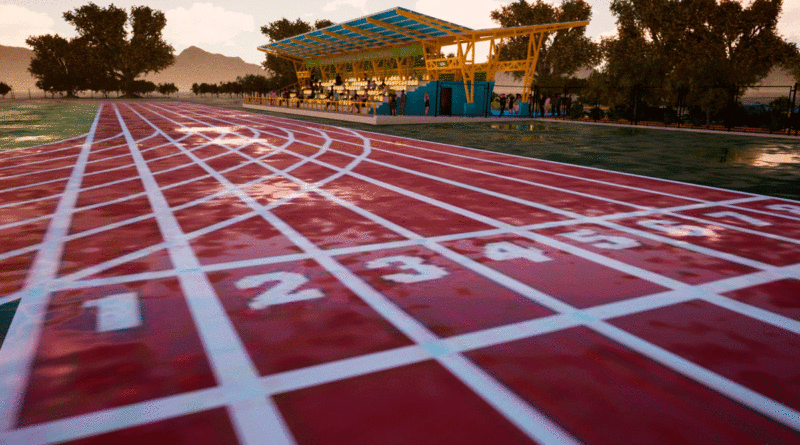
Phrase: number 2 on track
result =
(283, 292)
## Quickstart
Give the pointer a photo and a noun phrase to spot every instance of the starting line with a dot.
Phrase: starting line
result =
(189, 274)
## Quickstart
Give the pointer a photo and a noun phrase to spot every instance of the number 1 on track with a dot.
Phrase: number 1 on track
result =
(117, 312)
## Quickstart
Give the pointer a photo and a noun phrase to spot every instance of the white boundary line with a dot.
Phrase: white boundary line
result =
(598, 220)
(229, 359)
(494, 328)
(288, 121)
(503, 280)
(22, 337)
(536, 425)
(778, 321)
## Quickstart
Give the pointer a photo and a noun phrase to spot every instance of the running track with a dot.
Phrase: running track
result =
(187, 274)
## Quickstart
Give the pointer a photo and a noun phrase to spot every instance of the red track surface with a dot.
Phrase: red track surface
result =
(196, 275)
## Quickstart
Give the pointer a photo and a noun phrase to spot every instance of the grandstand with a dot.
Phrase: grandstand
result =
(358, 67)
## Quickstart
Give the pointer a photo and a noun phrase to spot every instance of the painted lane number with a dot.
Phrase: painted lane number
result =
(116, 312)
(588, 236)
(741, 217)
(283, 292)
(675, 228)
(422, 271)
(506, 250)
(785, 208)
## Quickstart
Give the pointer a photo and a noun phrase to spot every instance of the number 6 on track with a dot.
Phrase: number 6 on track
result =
(424, 272)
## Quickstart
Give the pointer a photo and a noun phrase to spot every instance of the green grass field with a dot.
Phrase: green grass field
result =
(28, 123)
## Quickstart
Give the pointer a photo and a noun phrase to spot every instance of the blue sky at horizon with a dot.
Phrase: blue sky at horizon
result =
(233, 27)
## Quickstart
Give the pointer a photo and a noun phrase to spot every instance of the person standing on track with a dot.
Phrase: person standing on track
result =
(427, 103)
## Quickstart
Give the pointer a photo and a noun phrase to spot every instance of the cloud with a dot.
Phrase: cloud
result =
(361, 5)
(205, 23)
(18, 23)
(789, 21)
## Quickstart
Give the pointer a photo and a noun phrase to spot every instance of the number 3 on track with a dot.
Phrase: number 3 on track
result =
(424, 272)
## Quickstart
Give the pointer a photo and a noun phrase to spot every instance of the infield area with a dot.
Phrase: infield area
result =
(190, 274)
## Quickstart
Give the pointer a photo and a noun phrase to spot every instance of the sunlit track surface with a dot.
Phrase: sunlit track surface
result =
(187, 274)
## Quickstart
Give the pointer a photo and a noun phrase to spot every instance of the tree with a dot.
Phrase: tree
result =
(195, 89)
(124, 46)
(4, 89)
(58, 64)
(282, 69)
(167, 88)
(142, 87)
(700, 52)
(563, 52)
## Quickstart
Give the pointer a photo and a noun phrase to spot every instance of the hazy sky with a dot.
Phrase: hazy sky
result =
(233, 27)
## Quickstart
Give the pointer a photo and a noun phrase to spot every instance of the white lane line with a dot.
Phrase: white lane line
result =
(736, 228)
(687, 245)
(494, 175)
(576, 167)
(104, 421)
(733, 390)
(691, 292)
(231, 363)
(568, 213)
(337, 370)
(770, 213)
(39, 172)
(388, 138)
(49, 181)
(19, 347)
(751, 280)
(533, 423)
(486, 220)
(536, 425)
(77, 144)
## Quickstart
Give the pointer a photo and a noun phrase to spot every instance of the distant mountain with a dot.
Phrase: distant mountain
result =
(192, 65)
(14, 63)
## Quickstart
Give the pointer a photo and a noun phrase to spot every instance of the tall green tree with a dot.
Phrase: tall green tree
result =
(167, 88)
(282, 70)
(705, 51)
(59, 65)
(563, 52)
(123, 45)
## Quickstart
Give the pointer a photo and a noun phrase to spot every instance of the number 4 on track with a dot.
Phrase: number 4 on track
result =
(505, 250)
